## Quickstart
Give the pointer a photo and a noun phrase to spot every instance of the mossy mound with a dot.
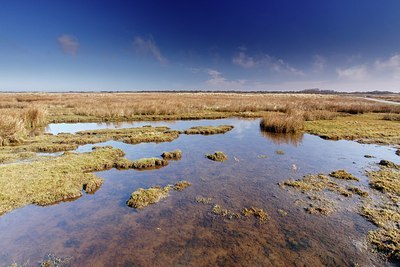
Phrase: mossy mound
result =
(344, 175)
(179, 186)
(218, 210)
(209, 129)
(217, 156)
(148, 163)
(93, 185)
(175, 155)
(143, 197)
(260, 214)
(389, 164)
(357, 191)
(280, 152)
(386, 179)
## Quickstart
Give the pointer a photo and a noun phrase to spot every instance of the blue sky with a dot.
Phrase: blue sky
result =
(184, 45)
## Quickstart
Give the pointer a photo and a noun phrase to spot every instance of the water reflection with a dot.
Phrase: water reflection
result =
(288, 138)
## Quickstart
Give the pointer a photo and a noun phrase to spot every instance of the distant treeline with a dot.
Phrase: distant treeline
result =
(305, 91)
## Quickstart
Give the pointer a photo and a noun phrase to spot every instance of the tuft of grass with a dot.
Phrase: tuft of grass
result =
(386, 241)
(260, 214)
(203, 200)
(93, 185)
(218, 210)
(53, 179)
(209, 129)
(282, 123)
(344, 175)
(179, 186)
(174, 155)
(386, 179)
(280, 152)
(12, 129)
(357, 191)
(217, 156)
(143, 197)
(35, 116)
(148, 163)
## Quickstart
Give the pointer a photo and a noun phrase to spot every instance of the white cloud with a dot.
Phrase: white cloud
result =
(319, 63)
(69, 44)
(277, 65)
(243, 60)
(390, 65)
(359, 73)
(149, 46)
(217, 81)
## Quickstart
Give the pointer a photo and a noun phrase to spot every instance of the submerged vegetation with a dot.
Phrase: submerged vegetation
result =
(209, 129)
(256, 212)
(217, 156)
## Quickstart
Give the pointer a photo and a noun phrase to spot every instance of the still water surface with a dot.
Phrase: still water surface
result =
(100, 230)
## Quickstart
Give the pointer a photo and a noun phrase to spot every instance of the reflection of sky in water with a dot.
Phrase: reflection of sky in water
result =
(100, 230)
(57, 128)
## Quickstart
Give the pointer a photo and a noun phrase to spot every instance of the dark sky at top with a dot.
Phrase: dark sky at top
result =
(185, 45)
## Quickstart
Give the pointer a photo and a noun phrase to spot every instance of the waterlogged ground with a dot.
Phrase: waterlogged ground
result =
(100, 230)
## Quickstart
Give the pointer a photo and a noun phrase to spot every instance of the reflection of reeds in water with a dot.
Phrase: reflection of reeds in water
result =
(280, 138)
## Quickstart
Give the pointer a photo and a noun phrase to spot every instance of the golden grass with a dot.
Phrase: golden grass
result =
(84, 107)
(282, 123)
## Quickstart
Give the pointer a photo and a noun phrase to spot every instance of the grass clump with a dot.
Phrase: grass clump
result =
(386, 179)
(175, 155)
(179, 186)
(203, 200)
(282, 123)
(217, 156)
(52, 260)
(386, 241)
(93, 185)
(344, 175)
(209, 129)
(280, 152)
(53, 179)
(143, 197)
(260, 214)
(357, 191)
(148, 163)
(218, 210)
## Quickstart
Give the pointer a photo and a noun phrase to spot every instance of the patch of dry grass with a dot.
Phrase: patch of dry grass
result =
(344, 175)
(282, 123)
(260, 214)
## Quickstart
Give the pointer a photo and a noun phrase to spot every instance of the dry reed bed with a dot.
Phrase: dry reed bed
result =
(125, 105)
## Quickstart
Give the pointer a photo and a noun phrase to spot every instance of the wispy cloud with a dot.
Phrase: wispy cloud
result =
(69, 44)
(390, 65)
(319, 63)
(148, 46)
(278, 65)
(359, 73)
(217, 81)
